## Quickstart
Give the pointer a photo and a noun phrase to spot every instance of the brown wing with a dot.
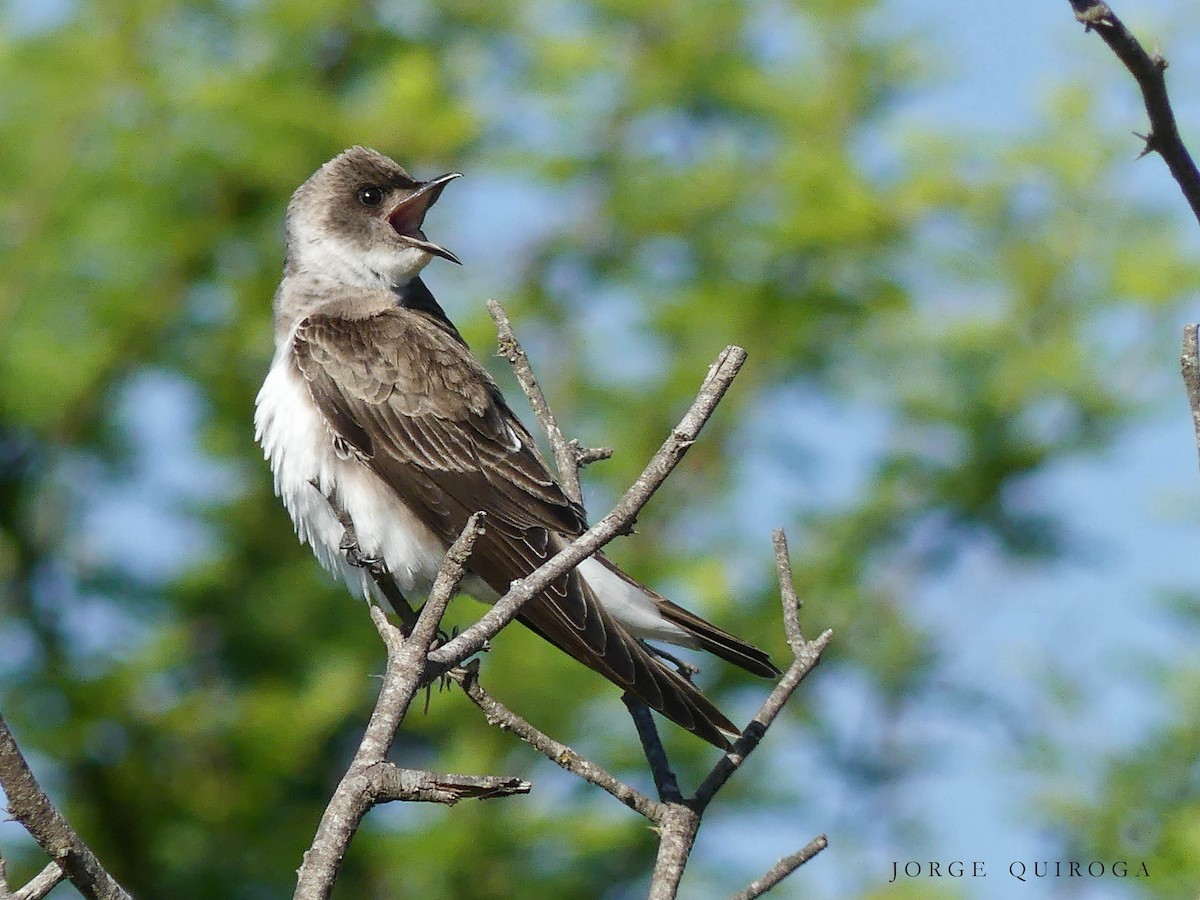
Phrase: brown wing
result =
(427, 418)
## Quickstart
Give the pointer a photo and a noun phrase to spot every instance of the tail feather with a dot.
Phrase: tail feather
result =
(647, 678)
(575, 621)
(718, 641)
(701, 633)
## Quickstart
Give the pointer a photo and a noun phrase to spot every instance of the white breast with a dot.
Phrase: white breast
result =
(299, 445)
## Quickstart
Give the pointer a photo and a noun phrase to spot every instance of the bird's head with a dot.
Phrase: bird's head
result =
(358, 219)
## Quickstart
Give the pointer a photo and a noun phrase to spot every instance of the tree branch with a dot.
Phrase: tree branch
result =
(678, 818)
(506, 720)
(569, 457)
(411, 662)
(369, 778)
(1190, 366)
(682, 819)
(677, 836)
(568, 460)
(41, 884)
(390, 783)
(782, 869)
(665, 781)
(1149, 72)
(804, 663)
(29, 805)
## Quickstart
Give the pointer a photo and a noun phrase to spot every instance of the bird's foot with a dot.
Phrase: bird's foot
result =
(355, 556)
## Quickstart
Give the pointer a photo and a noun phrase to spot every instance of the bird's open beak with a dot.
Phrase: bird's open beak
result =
(409, 215)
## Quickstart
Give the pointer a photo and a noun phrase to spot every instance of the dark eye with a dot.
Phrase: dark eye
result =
(370, 195)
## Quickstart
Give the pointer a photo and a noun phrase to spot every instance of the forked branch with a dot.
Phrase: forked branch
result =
(1149, 70)
(29, 805)
(414, 660)
(676, 817)
(370, 779)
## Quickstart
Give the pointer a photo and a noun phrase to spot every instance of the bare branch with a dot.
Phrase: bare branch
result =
(806, 656)
(804, 663)
(720, 377)
(588, 455)
(787, 593)
(29, 805)
(681, 820)
(665, 781)
(677, 835)
(782, 869)
(568, 459)
(504, 718)
(1190, 364)
(369, 779)
(568, 456)
(1149, 72)
(445, 586)
(391, 783)
(41, 884)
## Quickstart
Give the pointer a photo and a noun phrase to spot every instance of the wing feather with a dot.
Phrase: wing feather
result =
(428, 419)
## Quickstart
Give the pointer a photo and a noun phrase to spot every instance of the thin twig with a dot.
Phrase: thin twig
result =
(665, 781)
(804, 663)
(618, 521)
(1149, 72)
(1190, 365)
(681, 820)
(41, 884)
(445, 586)
(568, 455)
(29, 805)
(569, 458)
(782, 869)
(504, 718)
(787, 592)
(806, 656)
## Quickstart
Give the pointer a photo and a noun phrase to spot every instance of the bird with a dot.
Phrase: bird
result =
(379, 422)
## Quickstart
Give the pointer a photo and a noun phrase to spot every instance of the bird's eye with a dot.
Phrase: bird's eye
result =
(370, 195)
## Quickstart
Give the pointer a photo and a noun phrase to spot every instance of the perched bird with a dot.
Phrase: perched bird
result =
(375, 407)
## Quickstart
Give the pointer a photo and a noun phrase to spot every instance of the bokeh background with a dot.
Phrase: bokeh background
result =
(962, 300)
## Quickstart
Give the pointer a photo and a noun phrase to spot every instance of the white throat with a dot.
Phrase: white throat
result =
(373, 267)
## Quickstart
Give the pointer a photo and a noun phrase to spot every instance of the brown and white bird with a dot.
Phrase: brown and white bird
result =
(374, 400)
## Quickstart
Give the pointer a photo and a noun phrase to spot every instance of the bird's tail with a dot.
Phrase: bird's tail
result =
(718, 641)
(653, 617)
(629, 664)
(607, 637)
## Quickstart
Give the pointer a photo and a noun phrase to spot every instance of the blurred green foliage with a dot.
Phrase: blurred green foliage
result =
(713, 173)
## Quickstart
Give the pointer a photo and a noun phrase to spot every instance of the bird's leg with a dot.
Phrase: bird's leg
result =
(374, 565)
(686, 669)
(350, 546)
